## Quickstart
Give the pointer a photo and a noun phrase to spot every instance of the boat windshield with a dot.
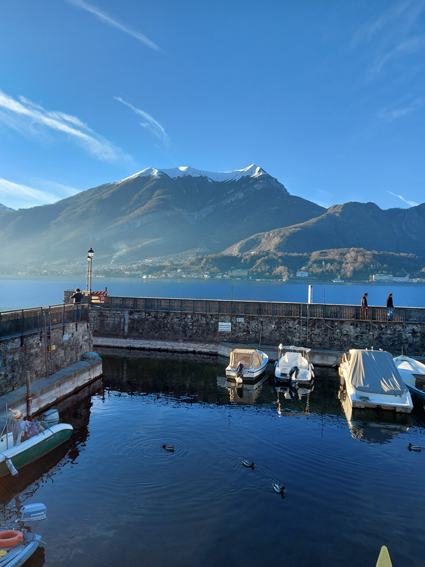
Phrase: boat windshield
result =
(304, 352)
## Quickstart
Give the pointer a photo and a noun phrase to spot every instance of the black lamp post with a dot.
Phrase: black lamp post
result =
(90, 255)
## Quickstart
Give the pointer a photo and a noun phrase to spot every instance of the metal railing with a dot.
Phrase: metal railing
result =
(266, 309)
(27, 321)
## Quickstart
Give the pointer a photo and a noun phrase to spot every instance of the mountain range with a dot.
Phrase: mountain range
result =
(172, 212)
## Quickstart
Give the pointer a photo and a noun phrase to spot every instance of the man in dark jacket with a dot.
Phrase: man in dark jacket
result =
(364, 306)
(390, 307)
(77, 297)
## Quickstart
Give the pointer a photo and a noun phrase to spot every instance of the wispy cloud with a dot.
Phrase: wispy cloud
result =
(390, 114)
(410, 203)
(106, 18)
(19, 196)
(30, 118)
(152, 125)
(396, 33)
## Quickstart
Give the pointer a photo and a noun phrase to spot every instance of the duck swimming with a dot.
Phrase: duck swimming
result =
(413, 448)
(248, 464)
(279, 489)
(169, 448)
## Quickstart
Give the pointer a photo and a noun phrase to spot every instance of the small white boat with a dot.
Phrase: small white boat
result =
(373, 381)
(293, 364)
(246, 364)
(413, 374)
(337, 280)
(17, 542)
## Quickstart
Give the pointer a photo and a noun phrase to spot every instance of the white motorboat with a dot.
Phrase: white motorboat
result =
(373, 381)
(293, 365)
(413, 374)
(246, 364)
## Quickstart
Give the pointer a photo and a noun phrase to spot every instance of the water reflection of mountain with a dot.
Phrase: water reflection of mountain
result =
(193, 382)
(373, 426)
(75, 410)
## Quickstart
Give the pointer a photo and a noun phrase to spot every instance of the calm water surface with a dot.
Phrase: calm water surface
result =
(25, 292)
(115, 497)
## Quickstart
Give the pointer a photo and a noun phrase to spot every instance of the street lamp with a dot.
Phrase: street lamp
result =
(90, 255)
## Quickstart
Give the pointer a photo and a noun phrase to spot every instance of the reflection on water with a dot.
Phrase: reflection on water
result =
(118, 498)
(373, 425)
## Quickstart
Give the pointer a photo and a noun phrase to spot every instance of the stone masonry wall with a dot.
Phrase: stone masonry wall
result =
(32, 353)
(322, 334)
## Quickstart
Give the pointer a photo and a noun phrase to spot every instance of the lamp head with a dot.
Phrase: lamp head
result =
(90, 253)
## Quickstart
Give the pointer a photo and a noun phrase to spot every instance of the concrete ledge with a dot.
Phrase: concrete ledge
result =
(169, 346)
(317, 357)
(48, 391)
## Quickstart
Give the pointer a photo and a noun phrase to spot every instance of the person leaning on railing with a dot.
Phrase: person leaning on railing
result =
(77, 297)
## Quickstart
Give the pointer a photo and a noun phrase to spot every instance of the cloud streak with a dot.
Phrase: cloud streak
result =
(410, 203)
(150, 124)
(392, 114)
(30, 118)
(19, 196)
(104, 17)
(396, 33)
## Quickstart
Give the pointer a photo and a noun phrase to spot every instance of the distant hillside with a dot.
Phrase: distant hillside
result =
(345, 263)
(153, 213)
(353, 225)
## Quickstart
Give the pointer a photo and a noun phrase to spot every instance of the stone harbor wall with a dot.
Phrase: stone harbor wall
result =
(338, 329)
(40, 342)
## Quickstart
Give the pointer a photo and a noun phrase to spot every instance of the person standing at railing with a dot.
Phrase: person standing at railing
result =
(364, 306)
(77, 297)
(390, 307)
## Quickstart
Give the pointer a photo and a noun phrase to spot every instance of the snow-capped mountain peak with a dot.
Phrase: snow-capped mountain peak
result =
(186, 171)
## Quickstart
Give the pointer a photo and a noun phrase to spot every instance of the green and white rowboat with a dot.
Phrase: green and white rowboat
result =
(31, 449)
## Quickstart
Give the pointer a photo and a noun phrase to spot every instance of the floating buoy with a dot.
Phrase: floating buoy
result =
(10, 538)
(169, 448)
(279, 489)
(248, 464)
(413, 448)
(238, 380)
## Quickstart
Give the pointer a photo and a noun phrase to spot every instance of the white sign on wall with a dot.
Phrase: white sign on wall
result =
(225, 327)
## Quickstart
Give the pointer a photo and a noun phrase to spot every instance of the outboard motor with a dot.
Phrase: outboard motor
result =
(293, 373)
(33, 512)
(239, 369)
(51, 417)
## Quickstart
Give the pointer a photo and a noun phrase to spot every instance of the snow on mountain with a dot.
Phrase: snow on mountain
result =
(187, 171)
(3, 208)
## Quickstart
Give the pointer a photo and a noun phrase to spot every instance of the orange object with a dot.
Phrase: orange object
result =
(10, 538)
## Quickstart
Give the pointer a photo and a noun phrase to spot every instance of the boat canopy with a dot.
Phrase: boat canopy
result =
(249, 357)
(374, 371)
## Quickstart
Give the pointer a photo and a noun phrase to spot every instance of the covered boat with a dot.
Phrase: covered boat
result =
(22, 442)
(246, 363)
(412, 373)
(293, 365)
(373, 381)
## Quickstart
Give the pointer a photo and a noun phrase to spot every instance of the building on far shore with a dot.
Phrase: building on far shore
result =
(382, 277)
(302, 274)
(239, 273)
(390, 278)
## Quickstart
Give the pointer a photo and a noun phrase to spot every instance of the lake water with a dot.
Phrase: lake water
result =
(25, 292)
(116, 497)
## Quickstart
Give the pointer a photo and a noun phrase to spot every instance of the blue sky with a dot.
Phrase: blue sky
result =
(326, 96)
